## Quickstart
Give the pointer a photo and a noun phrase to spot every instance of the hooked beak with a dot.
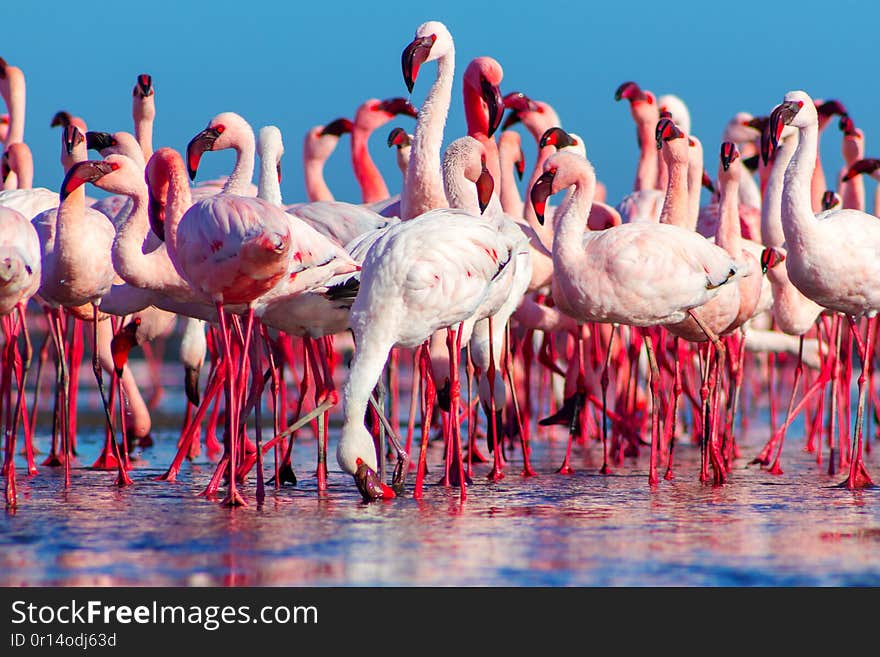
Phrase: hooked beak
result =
(337, 128)
(144, 86)
(156, 212)
(629, 90)
(397, 106)
(707, 182)
(847, 125)
(485, 187)
(98, 141)
(869, 166)
(369, 484)
(191, 384)
(495, 102)
(666, 130)
(278, 171)
(414, 55)
(770, 257)
(541, 191)
(122, 343)
(557, 137)
(204, 141)
(516, 102)
(751, 163)
(5, 169)
(83, 172)
(72, 138)
(830, 108)
(780, 117)
(61, 118)
(398, 137)
(520, 165)
(829, 200)
(729, 154)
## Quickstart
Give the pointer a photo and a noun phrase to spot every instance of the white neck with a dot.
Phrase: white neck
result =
(239, 180)
(269, 189)
(798, 219)
(771, 206)
(423, 188)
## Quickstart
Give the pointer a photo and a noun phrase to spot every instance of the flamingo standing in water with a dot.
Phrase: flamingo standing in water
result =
(654, 274)
(20, 269)
(834, 257)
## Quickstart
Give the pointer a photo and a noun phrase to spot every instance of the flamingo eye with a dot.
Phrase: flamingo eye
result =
(220, 129)
(114, 166)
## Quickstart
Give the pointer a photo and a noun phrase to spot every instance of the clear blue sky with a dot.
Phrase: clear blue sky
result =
(296, 64)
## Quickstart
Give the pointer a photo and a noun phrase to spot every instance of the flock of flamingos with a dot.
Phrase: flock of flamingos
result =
(646, 309)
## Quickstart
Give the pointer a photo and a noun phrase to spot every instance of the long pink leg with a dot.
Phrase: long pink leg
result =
(653, 480)
(285, 472)
(212, 388)
(76, 356)
(835, 391)
(497, 471)
(233, 497)
(428, 408)
(413, 404)
(604, 383)
(527, 470)
(858, 475)
(672, 420)
(29, 435)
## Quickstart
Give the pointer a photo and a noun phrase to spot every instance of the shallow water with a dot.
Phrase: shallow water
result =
(582, 529)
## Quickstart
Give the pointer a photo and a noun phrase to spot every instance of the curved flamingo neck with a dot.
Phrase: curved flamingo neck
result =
(511, 201)
(675, 203)
(798, 220)
(26, 173)
(728, 234)
(373, 188)
(316, 187)
(239, 180)
(571, 222)
(460, 192)
(771, 206)
(16, 104)
(647, 169)
(423, 188)
(695, 185)
(178, 200)
(143, 132)
(269, 188)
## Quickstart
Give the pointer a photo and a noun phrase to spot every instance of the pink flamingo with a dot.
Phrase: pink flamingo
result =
(637, 263)
(318, 145)
(832, 258)
(143, 110)
(371, 115)
(20, 270)
(646, 200)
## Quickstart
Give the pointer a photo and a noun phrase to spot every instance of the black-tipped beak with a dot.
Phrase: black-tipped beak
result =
(156, 212)
(144, 85)
(337, 128)
(847, 125)
(61, 118)
(520, 165)
(98, 141)
(780, 117)
(830, 199)
(729, 154)
(491, 94)
(485, 187)
(830, 108)
(122, 343)
(398, 137)
(629, 90)
(85, 172)
(666, 130)
(72, 138)
(541, 191)
(414, 55)
(397, 106)
(191, 384)
(5, 169)
(369, 484)
(770, 257)
(512, 119)
(204, 141)
(557, 137)
(868, 166)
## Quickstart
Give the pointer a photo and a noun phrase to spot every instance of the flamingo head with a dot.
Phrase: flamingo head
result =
(770, 257)
(827, 109)
(370, 486)
(518, 104)
(143, 87)
(122, 343)
(83, 172)
(71, 139)
(158, 176)
(677, 110)
(223, 131)
(270, 145)
(374, 113)
(729, 154)
(869, 166)
(847, 126)
(399, 137)
(668, 133)
(64, 119)
(558, 138)
(483, 77)
(336, 128)
(830, 200)
(630, 91)
(561, 171)
(797, 110)
(432, 40)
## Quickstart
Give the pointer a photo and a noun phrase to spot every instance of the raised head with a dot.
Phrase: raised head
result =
(223, 131)
(432, 40)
